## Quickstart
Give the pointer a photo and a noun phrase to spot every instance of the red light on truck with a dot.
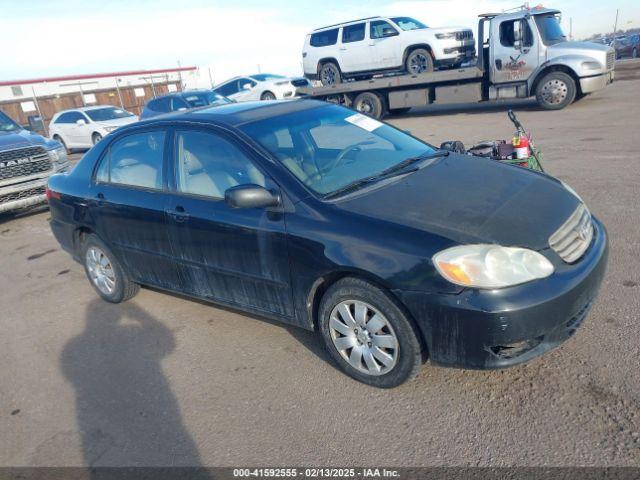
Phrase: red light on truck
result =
(51, 194)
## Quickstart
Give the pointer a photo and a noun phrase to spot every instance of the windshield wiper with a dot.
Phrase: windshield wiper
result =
(393, 171)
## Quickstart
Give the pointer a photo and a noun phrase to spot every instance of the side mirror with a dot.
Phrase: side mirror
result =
(81, 122)
(389, 32)
(517, 34)
(250, 196)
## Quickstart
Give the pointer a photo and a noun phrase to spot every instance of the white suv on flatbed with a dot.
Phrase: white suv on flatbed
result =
(363, 47)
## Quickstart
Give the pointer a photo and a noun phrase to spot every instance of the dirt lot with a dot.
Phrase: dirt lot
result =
(163, 380)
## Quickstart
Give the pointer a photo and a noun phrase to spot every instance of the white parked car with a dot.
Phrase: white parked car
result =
(261, 86)
(372, 45)
(86, 126)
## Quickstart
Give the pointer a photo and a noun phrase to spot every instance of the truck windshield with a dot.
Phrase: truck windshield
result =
(6, 124)
(408, 23)
(330, 147)
(107, 113)
(550, 29)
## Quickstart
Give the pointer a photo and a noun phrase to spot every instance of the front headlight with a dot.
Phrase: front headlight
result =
(110, 129)
(491, 266)
(58, 155)
(445, 36)
(591, 65)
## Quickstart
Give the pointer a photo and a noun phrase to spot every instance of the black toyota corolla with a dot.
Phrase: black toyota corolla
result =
(326, 219)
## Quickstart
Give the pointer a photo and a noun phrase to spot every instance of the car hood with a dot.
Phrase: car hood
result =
(472, 200)
(118, 122)
(24, 138)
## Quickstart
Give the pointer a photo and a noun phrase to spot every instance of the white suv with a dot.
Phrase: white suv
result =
(362, 47)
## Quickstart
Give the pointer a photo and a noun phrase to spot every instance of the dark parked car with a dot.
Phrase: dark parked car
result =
(181, 101)
(628, 46)
(326, 219)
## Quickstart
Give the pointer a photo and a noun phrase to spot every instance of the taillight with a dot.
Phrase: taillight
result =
(51, 194)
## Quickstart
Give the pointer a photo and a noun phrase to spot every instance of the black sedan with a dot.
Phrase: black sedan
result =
(326, 219)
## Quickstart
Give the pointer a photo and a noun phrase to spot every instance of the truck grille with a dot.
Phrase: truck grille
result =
(32, 192)
(573, 238)
(464, 35)
(611, 58)
(23, 162)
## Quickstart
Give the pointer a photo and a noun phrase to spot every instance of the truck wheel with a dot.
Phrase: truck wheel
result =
(368, 335)
(329, 74)
(370, 104)
(419, 61)
(105, 273)
(555, 91)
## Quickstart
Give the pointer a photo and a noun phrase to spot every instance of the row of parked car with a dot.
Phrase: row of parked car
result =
(624, 45)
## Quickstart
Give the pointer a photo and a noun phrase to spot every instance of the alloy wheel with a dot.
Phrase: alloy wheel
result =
(418, 63)
(100, 270)
(363, 337)
(328, 74)
(554, 91)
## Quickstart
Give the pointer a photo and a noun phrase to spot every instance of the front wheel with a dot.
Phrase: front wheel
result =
(419, 61)
(370, 104)
(555, 91)
(267, 96)
(105, 273)
(368, 335)
(58, 138)
(96, 138)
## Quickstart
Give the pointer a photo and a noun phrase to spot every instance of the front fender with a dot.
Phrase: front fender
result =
(572, 63)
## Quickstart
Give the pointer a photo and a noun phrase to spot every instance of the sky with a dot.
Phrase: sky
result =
(227, 37)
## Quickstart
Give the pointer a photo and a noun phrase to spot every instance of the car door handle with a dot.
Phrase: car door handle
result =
(343, 48)
(100, 199)
(499, 64)
(178, 214)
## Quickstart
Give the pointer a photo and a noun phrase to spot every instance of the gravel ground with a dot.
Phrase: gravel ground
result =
(163, 380)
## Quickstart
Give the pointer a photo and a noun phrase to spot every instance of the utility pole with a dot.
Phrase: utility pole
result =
(570, 28)
(119, 93)
(210, 77)
(615, 27)
(35, 100)
(179, 76)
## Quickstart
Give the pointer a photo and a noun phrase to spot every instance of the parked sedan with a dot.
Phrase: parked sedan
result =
(180, 101)
(320, 217)
(261, 86)
(84, 127)
(628, 46)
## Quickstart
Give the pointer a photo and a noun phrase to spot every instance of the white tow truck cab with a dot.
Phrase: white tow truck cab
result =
(520, 54)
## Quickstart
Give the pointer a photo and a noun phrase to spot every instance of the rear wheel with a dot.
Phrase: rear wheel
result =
(105, 273)
(58, 138)
(329, 74)
(370, 103)
(96, 137)
(368, 335)
(555, 91)
(419, 61)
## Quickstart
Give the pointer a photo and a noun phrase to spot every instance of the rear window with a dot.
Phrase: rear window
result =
(324, 39)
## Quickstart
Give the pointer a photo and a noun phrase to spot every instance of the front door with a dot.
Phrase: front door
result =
(127, 206)
(233, 256)
(514, 50)
(384, 45)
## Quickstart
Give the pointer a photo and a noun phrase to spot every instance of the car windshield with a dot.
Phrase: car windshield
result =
(408, 23)
(107, 113)
(7, 125)
(265, 77)
(330, 147)
(550, 29)
(201, 99)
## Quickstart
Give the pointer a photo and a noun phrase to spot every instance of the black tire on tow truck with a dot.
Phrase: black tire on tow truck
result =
(371, 104)
(556, 90)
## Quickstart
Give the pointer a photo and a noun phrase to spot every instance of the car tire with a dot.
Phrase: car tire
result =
(329, 74)
(58, 138)
(105, 273)
(371, 104)
(373, 325)
(95, 138)
(419, 61)
(399, 111)
(267, 96)
(555, 91)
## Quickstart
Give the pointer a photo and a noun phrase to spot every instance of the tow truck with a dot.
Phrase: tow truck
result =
(520, 54)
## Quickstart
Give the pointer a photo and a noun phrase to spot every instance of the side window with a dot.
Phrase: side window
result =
(228, 89)
(353, 33)
(245, 81)
(162, 105)
(378, 28)
(64, 118)
(324, 39)
(508, 32)
(177, 103)
(208, 165)
(134, 160)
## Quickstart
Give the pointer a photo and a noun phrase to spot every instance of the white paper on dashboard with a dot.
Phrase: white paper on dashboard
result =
(366, 123)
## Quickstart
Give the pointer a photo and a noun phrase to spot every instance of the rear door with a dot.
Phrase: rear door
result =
(128, 207)
(355, 53)
(235, 256)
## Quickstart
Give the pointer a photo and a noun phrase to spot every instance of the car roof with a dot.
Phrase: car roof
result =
(236, 114)
(86, 109)
(336, 25)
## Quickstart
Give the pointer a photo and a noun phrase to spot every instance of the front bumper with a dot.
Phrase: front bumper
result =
(484, 329)
(597, 82)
